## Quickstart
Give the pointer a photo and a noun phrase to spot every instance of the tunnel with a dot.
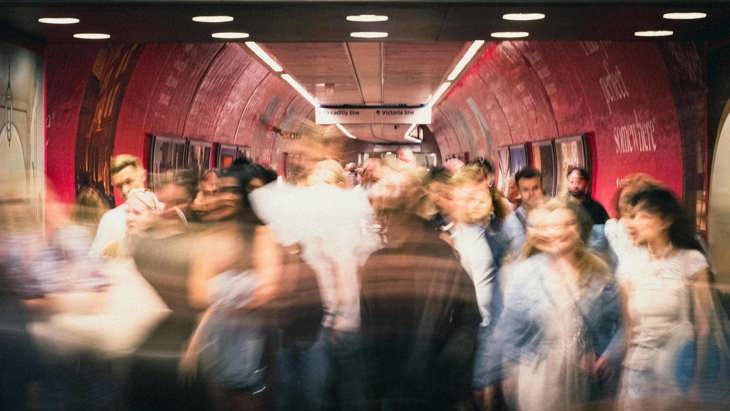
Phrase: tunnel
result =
(580, 84)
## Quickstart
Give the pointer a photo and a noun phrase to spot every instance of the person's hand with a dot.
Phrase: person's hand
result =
(188, 366)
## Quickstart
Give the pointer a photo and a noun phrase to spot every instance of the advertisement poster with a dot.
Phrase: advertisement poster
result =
(167, 154)
(517, 159)
(543, 159)
(571, 151)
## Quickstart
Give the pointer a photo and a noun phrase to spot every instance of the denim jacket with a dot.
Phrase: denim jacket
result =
(527, 305)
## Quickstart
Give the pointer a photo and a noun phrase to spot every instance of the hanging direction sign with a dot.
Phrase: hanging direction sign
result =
(373, 115)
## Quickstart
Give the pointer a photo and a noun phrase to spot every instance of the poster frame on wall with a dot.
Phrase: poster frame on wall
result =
(503, 167)
(203, 162)
(156, 167)
(515, 164)
(224, 151)
(582, 159)
(549, 180)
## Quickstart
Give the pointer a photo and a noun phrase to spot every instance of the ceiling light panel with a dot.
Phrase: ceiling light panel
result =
(509, 34)
(653, 33)
(58, 20)
(367, 18)
(693, 15)
(369, 34)
(212, 19)
(230, 35)
(346, 131)
(439, 92)
(92, 36)
(523, 16)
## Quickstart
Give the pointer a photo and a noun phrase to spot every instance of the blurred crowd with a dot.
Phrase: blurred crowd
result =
(384, 286)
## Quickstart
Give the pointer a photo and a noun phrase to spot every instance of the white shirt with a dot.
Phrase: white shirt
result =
(478, 262)
(328, 224)
(112, 228)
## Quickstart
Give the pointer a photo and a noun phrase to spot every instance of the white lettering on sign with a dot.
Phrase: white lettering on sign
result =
(373, 115)
(637, 136)
(613, 86)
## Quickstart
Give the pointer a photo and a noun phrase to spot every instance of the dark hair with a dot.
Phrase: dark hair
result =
(662, 202)
(582, 172)
(527, 172)
(437, 174)
(484, 164)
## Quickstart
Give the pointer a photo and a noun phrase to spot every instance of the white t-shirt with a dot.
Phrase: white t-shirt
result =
(112, 228)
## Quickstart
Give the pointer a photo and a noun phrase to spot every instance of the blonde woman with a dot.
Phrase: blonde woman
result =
(561, 311)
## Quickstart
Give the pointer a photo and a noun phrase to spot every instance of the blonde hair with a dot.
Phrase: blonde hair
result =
(123, 161)
(589, 265)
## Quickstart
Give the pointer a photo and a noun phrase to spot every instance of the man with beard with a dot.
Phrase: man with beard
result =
(578, 190)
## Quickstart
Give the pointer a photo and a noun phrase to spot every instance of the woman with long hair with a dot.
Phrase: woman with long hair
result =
(665, 291)
(561, 310)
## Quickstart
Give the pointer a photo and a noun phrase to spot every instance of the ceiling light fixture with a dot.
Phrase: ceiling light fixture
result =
(58, 20)
(692, 15)
(439, 92)
(465, 59)
(230, 35)
(367, 18)
(212, 19)
(369, 34)
(300, 89)
(509, 34)
(345, 131)
(653, 33)
(263, 55)
(523, 16)
(413, 140)
(92, 36)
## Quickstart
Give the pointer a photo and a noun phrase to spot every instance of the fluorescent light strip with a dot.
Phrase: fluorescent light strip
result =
(465, 59)
(653, 33)
(253, 46)
(301, 90)
(509, 34)
(694, 15)
(58, 20)
(345, 131)
(439, 92)
(367, 18)
(369, 34)
(408, 132)
(230, 35)
(413, 140)
(523, 16)
(212, 19)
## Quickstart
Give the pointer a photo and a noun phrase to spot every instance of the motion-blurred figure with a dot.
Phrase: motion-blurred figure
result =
(579, 184)
(529, 184)
(419, 309)
(561, 312)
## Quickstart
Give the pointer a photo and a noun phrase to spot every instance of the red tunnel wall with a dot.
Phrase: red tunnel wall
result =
(620, 92)
(212, 92)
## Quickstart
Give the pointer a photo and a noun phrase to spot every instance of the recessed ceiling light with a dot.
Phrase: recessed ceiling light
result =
(523, 16)
(92, 36)
(367, 18)
(212, 19)
(693, 15)
(369, 34)
(653, 33)
(509, 34)
(230, 35)
(58, 20)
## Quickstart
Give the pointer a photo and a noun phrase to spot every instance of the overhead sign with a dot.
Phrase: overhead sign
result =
(373, 115)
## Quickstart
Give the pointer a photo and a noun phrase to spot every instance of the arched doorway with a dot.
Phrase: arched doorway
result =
(719, 204)
(13, 184)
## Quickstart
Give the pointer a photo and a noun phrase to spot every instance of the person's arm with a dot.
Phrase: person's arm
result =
(268, 266)
(208, 260)
(702, 309)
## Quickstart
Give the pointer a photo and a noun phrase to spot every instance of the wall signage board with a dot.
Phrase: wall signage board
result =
(373, 115)
(543, 159)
